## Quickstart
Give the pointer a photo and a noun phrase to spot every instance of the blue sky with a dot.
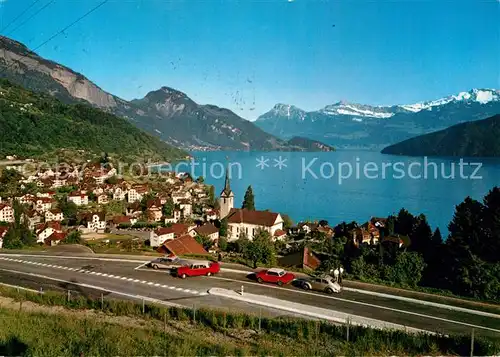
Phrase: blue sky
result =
(250, 55)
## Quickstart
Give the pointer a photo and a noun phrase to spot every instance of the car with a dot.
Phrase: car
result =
(166, 262)
(321, 283)
(198, 268)
(275, 275)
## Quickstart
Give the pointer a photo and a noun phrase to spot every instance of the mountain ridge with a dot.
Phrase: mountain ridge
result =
(350, 125)
(471, 139)
(166, 113)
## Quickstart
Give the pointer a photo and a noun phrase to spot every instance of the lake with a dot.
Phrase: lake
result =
(350, 185)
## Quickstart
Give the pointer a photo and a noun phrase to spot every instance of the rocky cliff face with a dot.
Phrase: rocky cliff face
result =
(17, 60)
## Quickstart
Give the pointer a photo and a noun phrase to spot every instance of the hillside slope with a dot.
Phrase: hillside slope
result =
(33, 124)
(166, 113)
(478, 138)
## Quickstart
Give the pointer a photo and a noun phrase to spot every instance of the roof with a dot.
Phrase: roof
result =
(279, 233)
(51, 224)
(55, 211)
(56, 236)
(121, 219)
(259, 218)
(180, 228)
(276, 270)
(3, 205)
(3, 231)
(184, 245)
(163, 231)
(304, 258)
(206, 229)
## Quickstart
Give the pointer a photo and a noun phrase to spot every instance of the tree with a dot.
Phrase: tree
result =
(206, 242)
(323, 223)
(211, 195)
(408, 269)
(241, 243)
(19, 234)
(404, 223)
(490, 250)
(200, 179)
(223, 228)
(75, 237)
(222, 244)
(260, 249)
(168, 208)
(287, 221)
(69, 210)
(248, 200)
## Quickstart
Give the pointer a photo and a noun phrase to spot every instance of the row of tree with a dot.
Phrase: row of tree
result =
(467, 263)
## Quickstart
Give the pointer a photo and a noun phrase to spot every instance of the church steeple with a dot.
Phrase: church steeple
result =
(226, 200)
(227, 186)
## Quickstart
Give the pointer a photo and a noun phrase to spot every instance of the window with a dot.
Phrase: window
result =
(272, 273)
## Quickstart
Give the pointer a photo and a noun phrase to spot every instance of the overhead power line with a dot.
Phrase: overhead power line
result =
(20, 15)
(60, 31)
(31, 17)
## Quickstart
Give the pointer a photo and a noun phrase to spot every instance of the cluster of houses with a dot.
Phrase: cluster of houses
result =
(96, 187)
(94, 190)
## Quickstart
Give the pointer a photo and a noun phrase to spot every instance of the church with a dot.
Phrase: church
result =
(246, 221)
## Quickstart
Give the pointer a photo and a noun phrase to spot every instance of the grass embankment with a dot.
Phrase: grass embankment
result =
(36, 324)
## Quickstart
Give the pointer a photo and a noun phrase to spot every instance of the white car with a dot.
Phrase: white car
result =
(165, 263)
(321, 283)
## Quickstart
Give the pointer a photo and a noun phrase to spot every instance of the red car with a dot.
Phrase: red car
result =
(198, 269)
(275, 275)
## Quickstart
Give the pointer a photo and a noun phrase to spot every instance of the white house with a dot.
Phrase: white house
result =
(186, 207)
(119, 194)
(103, 199)
(96, 222)
(79, 198)
(54, 215)
(46, 230)
(161, 235)
(6, 213)
(136, 193)
(250, 222)
(43, 204)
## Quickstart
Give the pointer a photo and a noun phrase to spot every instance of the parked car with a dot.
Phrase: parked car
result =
(166, 262)
(321, 283)
(198, 269)
(275, 275)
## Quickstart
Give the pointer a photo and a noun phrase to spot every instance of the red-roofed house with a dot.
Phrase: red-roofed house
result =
(54, 215)
(249, 222)
(55, 238)
(303, 259)
(161, 235)
(79, 198)
(279, 234)
(208, 230)
(183, 245)
(44, 231)
(43, 204)
(124, 220)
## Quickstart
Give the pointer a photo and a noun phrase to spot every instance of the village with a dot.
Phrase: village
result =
(172, 214)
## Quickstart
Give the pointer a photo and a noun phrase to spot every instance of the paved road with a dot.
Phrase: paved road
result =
(128, 277)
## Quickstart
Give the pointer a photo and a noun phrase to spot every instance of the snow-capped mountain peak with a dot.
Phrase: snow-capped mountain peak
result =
(481, 96)
(359, 110)
(287, 110)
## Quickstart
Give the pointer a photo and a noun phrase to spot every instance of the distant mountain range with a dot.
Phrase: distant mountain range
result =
(477, 138)
(166, 113)
(352, 125)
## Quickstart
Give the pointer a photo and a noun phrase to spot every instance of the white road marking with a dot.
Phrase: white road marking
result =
(145, 298)
(365, 304)
(157, 284)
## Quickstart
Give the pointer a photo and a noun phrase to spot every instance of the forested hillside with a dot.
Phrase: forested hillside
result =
(33, 124)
